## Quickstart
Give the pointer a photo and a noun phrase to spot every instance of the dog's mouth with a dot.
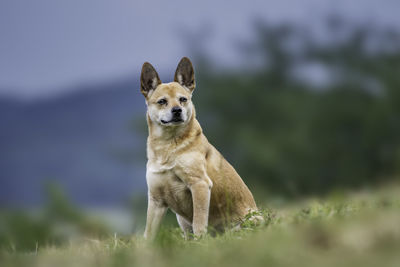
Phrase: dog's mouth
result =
(173, 120)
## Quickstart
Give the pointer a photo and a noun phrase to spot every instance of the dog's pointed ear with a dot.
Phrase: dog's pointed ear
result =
(149, 79)
(184, 74)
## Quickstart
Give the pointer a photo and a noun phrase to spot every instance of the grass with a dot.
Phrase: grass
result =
(358, 229)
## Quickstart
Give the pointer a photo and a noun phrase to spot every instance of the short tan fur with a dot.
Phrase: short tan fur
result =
(184, 171)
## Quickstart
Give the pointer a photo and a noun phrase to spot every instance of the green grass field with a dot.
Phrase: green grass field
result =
(357, 229)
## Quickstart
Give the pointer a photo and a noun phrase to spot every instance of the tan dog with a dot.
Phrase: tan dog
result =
(184, 171)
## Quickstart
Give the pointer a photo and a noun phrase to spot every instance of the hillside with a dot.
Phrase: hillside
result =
(86, 141)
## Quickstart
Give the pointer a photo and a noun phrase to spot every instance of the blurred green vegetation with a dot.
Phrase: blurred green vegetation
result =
(356, 229)
(291, 137)
(57, 223)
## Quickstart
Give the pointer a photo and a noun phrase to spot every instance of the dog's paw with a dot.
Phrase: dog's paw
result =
(252, 219)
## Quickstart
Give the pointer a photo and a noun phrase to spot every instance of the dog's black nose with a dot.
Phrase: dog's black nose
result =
(176, 110)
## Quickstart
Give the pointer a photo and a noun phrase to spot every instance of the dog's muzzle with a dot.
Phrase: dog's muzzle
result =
(176, 115)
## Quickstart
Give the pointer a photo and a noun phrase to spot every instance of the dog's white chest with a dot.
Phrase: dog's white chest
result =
(159, 174)
(156, 168)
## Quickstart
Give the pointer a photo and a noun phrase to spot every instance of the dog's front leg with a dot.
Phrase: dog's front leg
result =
(155, 213)
(201, 193)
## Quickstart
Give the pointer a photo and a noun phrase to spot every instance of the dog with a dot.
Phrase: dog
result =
(184, 171)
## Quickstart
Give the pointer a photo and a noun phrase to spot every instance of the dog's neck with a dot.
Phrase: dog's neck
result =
(163, 141)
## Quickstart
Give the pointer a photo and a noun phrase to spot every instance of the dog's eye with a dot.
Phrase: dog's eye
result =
(162, 101)
(182, 99)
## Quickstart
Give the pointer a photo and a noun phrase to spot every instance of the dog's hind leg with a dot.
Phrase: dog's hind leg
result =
(185, 225)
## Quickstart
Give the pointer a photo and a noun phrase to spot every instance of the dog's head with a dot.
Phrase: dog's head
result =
(169, 104)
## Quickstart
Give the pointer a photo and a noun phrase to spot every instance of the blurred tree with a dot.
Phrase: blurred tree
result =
(292, 137)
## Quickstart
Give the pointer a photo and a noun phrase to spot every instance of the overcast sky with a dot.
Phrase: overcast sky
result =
(48, 45)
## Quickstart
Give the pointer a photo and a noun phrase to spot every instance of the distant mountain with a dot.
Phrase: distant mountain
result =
(87, 141)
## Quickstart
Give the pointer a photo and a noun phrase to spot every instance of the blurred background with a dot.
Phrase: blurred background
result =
(302, 97)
